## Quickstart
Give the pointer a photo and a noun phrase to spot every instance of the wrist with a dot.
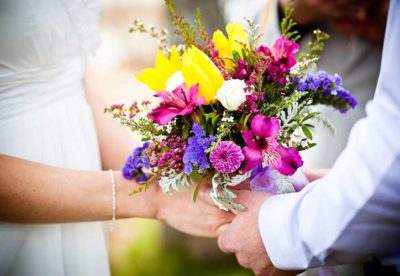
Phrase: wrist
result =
(143, 204)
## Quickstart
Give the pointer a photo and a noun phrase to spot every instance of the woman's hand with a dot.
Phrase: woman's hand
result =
(194, 218)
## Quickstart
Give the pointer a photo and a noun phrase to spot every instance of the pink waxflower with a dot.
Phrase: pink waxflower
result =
(226, 157)
(262, 146)
(180, 101)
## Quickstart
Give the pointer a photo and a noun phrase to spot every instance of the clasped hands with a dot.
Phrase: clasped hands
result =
(237, 232)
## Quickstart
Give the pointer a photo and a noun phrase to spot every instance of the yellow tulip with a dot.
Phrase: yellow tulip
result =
(157, 77)
(198, 68)
(236, 41)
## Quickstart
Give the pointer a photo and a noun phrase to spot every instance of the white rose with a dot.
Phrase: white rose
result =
(232, 94)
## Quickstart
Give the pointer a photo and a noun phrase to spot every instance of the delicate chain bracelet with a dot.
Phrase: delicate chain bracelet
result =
(114, 200)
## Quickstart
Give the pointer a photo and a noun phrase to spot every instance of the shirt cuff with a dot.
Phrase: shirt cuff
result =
(279, 231)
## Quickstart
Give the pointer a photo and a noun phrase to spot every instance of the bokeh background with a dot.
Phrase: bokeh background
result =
(137, 246)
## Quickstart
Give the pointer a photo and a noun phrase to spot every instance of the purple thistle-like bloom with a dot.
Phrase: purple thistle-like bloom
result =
(326, 89)
(135, 163)
(226, 157)
(195, 154)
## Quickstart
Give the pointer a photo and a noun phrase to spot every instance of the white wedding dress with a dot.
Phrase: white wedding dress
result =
(44, 117)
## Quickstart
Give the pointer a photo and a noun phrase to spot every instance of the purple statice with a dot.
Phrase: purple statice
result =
(195, 154)
(135, 164)
(326, 89)
(168, 153)
(226, 157)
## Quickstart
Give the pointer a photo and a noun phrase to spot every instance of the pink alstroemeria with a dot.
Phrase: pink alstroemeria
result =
(180, 101)
(263, 147)
(280, 58)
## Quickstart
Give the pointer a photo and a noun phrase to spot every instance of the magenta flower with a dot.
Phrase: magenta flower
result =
(226, 157)
(180, 101)
(283, 51)
(262, 146)
(280, 58)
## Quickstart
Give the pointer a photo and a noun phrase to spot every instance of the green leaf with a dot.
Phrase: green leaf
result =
(196, 191)
(307, 132)
(246, 119)
(310, 115)
(306, 147)
(236, 56)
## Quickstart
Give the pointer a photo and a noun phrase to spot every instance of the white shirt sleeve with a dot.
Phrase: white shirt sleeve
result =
(354, 211)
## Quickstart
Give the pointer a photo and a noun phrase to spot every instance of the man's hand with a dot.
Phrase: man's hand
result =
(243, 238)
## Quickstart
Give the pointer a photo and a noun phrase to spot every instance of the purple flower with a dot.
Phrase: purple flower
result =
(262, 146)
(242, 70)
(226, 157)
(283, 52)
(262, 180)
(135, 163)
(326, 89)
(195, 153)
(181, 101)
(280, 59)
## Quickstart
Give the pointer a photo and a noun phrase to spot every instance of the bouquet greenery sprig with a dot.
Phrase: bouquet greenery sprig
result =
(230, 109)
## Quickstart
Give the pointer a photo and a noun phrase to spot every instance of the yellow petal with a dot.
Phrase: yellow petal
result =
(163, 64)
(175, 58)
(197, 67)
(153, 79)
(157, 77)
(237, 36)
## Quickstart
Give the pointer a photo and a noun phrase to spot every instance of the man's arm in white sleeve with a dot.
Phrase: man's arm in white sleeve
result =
(354, 211)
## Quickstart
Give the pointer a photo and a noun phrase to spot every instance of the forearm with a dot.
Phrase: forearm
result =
(115, 142)
(36, 193)
(354, 208)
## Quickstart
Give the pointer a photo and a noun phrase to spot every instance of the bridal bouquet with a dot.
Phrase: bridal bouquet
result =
(228, 109)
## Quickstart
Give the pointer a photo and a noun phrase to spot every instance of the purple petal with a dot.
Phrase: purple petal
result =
(290, 160)
(250, 138)
(252, 158)
(265, 127)
(165, 96)
(264, 182)
(163, 115)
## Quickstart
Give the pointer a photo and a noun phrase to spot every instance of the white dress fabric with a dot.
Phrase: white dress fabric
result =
(44, 117)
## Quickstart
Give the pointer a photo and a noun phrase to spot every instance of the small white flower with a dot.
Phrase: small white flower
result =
(174, 81)
(232, 94)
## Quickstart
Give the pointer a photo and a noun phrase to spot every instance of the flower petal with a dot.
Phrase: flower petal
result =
(252, 158)
(290, 160)
(264, 182)
(265, 127)
(250, 138)
(163, 115)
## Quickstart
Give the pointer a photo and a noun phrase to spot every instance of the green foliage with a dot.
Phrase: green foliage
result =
(190, 34)
(160, 35)
(315, 47)
(253, 32)
(288, 23)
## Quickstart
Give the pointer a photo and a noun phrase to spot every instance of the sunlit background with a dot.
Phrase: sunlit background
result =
(145, 247)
